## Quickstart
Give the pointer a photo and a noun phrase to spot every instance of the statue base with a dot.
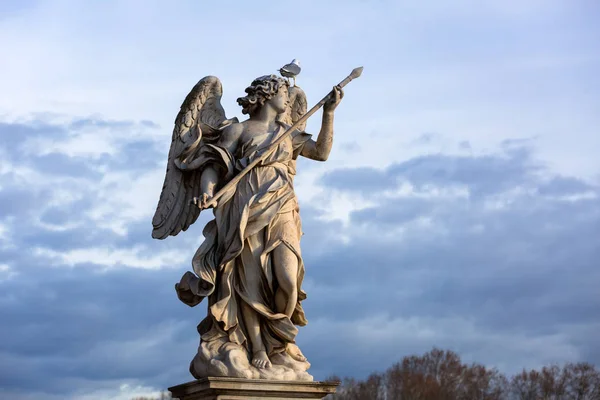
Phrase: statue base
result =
(251, 389)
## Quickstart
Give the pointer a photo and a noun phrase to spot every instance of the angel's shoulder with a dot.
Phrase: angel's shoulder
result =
(233, 131)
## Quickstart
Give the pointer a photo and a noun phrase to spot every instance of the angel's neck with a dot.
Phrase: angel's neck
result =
(266, 115)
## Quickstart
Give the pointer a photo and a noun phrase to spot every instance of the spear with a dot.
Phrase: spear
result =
(356, 72)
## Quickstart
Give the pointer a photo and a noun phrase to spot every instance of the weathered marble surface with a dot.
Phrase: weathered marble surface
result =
(221, 358)
(249, 268)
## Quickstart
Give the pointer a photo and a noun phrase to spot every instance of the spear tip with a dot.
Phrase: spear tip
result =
(356, 72)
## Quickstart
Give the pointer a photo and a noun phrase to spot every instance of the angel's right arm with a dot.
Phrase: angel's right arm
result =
(229, 140)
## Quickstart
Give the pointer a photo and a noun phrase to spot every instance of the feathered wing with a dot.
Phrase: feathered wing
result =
(296, 109)
(197, 122)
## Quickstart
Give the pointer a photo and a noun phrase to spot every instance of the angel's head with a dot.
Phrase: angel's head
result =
(266, 89)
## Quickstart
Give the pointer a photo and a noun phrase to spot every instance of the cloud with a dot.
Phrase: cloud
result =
(91, 329)
(80, 316)
(137, 257)
(511, 260)
(482, 174)
(439, 74)
(492, 255)
(6, 273)
(396, 337)
(107, 171)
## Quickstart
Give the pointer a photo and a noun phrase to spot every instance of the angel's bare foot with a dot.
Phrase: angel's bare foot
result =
(294, 352)
(260, 360)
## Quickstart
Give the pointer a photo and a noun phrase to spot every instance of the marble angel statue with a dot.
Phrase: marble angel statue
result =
(249, 267)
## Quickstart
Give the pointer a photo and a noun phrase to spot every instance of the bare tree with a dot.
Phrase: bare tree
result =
(163, 396)
(441, 375)
(526, 385)
(573, 382)
(481, 383)
(582, 382)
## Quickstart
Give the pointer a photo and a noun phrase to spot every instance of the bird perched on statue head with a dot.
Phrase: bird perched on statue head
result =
(291, 70)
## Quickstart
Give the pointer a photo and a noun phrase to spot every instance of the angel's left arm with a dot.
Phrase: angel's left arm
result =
(319, 150)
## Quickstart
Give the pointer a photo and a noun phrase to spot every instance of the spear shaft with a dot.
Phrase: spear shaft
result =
(356, 72)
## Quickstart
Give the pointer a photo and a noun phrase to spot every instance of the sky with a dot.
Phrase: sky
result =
(460, 207)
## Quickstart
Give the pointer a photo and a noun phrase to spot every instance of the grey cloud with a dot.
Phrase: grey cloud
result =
(465, 145)
(14, 134)
(426, 138)
(564, 185)
(141, 154)
(86, 123)
(85, 324)
(528, 267)
(80, 324)
(61, 164)
(73, 213)
(16, 201)
(526, 270)
(350, 147)
(79, 174)
(150, 124)
(56, 216)
(364, 179)
(396, 212)
(484, 175)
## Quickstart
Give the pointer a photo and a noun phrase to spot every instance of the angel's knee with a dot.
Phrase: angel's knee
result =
(286, 270)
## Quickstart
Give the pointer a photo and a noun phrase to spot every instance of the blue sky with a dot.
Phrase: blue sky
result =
(459, 208)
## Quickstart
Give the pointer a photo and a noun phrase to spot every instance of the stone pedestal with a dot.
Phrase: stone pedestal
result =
(251, 389)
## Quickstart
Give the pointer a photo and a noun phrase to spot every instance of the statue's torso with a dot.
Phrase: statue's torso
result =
(254, 143)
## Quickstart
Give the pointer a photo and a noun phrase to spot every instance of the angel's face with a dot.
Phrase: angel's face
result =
(280, 101)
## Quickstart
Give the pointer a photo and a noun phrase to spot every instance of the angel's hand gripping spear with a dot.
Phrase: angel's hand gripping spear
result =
(356, 72)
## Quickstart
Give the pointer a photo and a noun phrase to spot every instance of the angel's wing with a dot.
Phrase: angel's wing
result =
(197, 122)
(296, 109)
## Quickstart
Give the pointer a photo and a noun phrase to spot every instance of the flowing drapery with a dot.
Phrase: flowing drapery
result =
(234, 264)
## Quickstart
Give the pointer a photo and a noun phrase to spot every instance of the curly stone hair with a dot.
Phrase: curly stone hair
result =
(259, 92)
